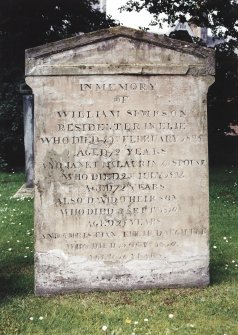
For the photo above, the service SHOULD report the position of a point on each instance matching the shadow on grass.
(220, 275)
(16, 278)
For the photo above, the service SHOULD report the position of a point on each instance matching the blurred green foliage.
(221, 16)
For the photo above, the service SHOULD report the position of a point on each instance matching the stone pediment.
(119, 50)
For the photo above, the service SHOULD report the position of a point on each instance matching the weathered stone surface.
(28, 117)
(117, 51)
(121, 163)
(28, 111)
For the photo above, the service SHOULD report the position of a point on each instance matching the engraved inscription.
(122, 164)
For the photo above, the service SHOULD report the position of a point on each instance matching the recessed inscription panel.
(121, 181)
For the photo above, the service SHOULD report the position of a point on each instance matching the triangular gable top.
(119, 46)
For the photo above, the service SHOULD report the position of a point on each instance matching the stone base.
(24, 192)
(58, 273)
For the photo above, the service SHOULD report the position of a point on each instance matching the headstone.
(121, 162)
(28, 118)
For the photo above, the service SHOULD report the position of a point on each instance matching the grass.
(204, 311)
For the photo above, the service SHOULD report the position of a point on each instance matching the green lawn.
(208, 311)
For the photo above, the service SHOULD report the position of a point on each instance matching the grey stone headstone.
(121, 162)
(28, 117)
